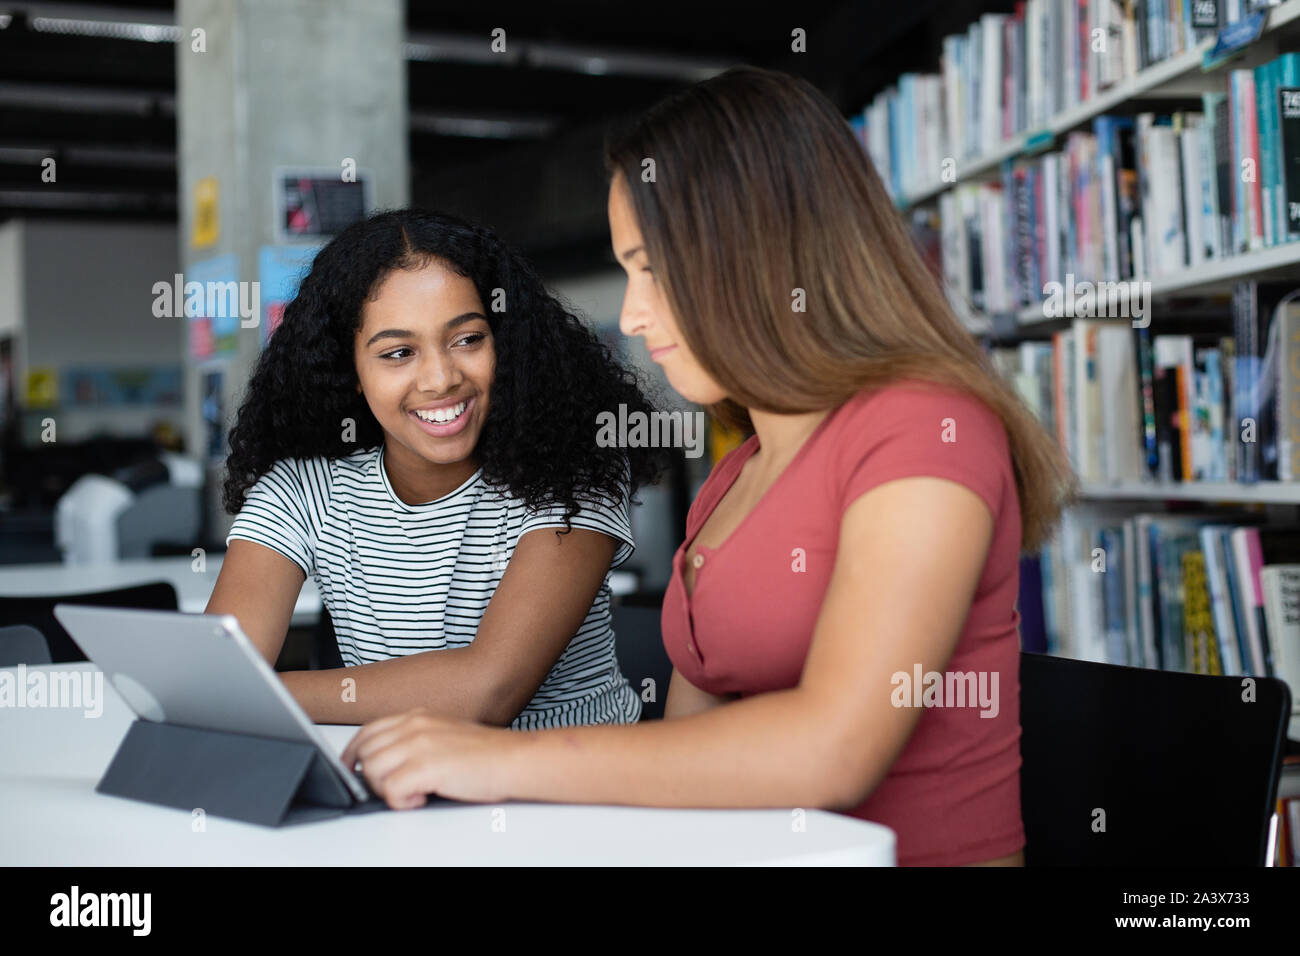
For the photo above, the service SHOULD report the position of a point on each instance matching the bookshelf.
(1196, 527)
(1232, 492)
(1167, 78)
(1216, 276)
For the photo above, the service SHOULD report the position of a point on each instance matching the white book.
(1209, 192)
(1035, 116)
(1129, 42)
(974, 88)
(952, 90)
(994, 257)
(956, 254)
(1121, 431)
(1051, 218)
(1109, 216)
(1281, 586)
(991, 82)
(1286, 322)
(1138, 243)
(1069, 54)
(1088, 424)
(934, 147)
(1190, 146)
(1112, 60)
(1164, 218)
(1085, 638)
(1071, 393)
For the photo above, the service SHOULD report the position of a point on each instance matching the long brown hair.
(759, 192)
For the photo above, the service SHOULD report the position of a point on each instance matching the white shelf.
(1144, 83)
(1274, 492)
(1201, 278)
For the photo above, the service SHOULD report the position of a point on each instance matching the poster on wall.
(213, 309)
(279, 271)
(122, 385)
(207, 218)
(42, 387)
(319, 202)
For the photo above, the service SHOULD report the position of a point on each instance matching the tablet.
(195, 670)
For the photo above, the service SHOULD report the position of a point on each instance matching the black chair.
(325, 643)
(22, 644)
(640, 650)
(1184, 771)
(38, 612)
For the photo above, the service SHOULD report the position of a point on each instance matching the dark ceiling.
(105, 107)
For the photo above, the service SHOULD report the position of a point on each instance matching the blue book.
(1239, 612)
(1051, 627)
(1112, 543)
(1173, 638)
(1117, 214)
(1033, 624)
(1266, 118)
(1288, 148)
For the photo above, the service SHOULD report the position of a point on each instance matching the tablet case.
(253, 779)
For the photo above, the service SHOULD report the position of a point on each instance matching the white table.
(193, 588)
(51, 759)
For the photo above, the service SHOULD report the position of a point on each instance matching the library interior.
(202, 526)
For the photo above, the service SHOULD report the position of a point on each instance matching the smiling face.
(425, 363)
(645, 311)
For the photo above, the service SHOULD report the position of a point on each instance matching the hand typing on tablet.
(408, 756)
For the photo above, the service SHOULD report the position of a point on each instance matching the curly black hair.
(553, 375)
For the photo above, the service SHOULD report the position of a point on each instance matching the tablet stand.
(254, 779)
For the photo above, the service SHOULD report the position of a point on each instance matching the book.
(1199, 630)
(1288, 146)
(1220, 599)
(1281, 586)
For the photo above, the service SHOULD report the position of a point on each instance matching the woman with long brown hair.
(842, 614)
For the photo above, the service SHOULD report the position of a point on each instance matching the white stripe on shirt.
(400, 579)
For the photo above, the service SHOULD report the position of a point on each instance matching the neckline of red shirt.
(752, 444)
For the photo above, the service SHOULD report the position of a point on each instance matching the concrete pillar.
(263, 84)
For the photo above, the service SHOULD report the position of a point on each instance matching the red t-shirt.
(953, 794)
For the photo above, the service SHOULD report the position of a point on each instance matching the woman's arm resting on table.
(543, 598)
(910, 557)
(684, 698)
(260, 587)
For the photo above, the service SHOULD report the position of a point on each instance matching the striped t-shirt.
(398, 579)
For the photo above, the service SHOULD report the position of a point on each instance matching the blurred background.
(227, 140)
(146, 145)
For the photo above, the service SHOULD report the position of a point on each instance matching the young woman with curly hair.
(419, 435)
(865, 538)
